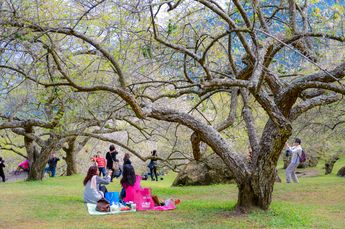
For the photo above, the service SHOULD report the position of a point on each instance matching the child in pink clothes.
(23, 166)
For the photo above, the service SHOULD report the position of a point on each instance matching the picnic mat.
(91, 208)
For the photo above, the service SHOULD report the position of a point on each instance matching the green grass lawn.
(317, 202)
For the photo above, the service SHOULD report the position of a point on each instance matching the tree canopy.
(149, 63)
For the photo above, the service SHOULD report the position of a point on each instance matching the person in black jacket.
(111, 158)
(2, 166)
(153, 165)
(52, 162)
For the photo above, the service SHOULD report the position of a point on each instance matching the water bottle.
(134, 207)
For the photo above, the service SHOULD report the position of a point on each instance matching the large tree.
(154, 53)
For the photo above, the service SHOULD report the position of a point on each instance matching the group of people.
(22, 166)
(51, 168)
(95, 184)
(110, 163)
(109, 168)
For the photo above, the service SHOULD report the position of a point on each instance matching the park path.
(12, 178)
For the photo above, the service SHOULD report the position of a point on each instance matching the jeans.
(290, 172)
(52, 171)
(102, 171)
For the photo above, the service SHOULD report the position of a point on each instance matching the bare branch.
(250, 124)
(72, 32)
(13, 150)
(311, 103)
(232, 112)
(178, 48)
(232, 24)
(292, 11)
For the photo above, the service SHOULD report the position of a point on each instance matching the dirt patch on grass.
(308, 173)
(232, 214)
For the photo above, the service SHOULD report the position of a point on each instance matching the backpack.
(303, 157)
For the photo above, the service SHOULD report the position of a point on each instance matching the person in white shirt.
(296, 152)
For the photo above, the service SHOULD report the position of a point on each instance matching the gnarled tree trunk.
(255, 181)
(38, 159)
(256, 190)
(71, 162)
(70, 157)
(71, 154)
(37, 169)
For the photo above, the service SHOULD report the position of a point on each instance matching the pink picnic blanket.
(142, 197)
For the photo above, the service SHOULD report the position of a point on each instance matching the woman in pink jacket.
(132, 191)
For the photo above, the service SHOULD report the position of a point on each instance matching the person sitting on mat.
(94, 190)
(132, 191)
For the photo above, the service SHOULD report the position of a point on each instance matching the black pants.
(103, 189)
(2, 175)
(153, 170)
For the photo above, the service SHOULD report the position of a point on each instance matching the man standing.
(296, 152)
(52, 162)
(111, 159)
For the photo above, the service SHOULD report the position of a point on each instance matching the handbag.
(103, 205)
